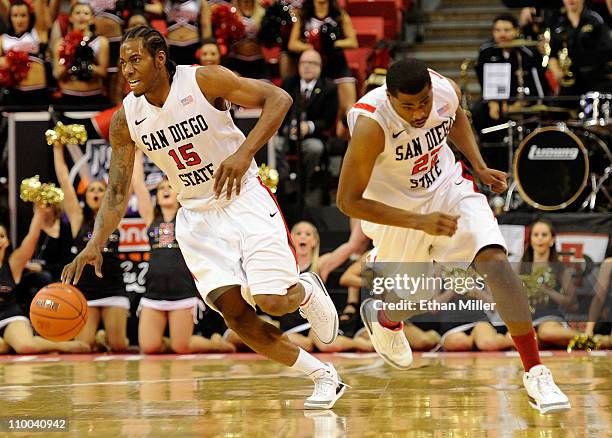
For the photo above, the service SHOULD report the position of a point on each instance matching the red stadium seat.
(389, 10)
(357, 60)
(369, 30)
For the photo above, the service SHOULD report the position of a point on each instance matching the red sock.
(386, 322)
(527, 346)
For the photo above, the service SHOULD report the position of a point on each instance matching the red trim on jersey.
(365, 106)
(435, 73)
(289, 239)
(193, 276)
(465, 172)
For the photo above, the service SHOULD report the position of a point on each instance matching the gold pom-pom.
(66, 134)
(269, 177)
(29, 189)
(50, 194)
(32, 190)
(583, 342)
(534, 283)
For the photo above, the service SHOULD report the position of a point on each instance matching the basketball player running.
(400, 178)
(179, 116)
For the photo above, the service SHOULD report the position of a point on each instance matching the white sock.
(308, 290)
(308, 364)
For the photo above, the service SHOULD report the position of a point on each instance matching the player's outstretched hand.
(496, 179)
(440, 224)
(232, 169)
(90, 255)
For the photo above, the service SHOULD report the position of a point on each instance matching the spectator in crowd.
(27, 32)
(106, 295)
(527, 77)
(15, 329)
(80, 79)
(245, 56)
(311, 117)
(549, 317)
(600, 310)
(51, 254)
(210, 54)
(171, 297)
(581, 48)
(324, 26)
(188, 22)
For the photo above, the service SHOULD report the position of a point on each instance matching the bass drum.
(552, 166)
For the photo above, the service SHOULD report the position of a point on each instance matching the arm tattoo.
(120, 174)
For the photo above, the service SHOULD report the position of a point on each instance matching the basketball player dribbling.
(399, 176)
(229, 227)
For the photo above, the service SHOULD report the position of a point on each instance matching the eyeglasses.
(313, 63)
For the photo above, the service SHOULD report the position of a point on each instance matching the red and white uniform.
(417, 171)
(243, 241)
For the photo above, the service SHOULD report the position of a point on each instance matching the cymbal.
(537, 109)
(517, 43)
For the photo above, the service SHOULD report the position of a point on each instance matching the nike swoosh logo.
(458, 183)
(273, 214)
(139, 122)
(397, 133)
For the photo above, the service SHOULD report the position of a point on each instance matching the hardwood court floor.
(444, 395)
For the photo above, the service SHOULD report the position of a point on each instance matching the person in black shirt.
(106, 295)
(527, 74)
(581, 48)
(15, 329)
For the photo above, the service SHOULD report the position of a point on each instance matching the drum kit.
(560, 163)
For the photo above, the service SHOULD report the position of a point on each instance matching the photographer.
(80, 60)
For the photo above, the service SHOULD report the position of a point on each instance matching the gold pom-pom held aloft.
(28, 191)
(66, 134)
(32, 190)
(269, 177)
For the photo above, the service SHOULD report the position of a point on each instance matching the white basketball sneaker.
(544, 394)
(392, 345)
(329, 387)
(320, 310)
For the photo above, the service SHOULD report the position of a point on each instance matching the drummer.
(524, 61)
(589, 49)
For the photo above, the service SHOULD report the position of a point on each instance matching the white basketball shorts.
(245, 243)
(476, 228)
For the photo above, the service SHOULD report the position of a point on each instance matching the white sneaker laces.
(546, 385)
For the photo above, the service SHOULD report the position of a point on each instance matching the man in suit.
(314, 109)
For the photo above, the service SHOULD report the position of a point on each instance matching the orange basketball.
(58, 312)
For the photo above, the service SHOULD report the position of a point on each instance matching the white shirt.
(187, 139)
(414, 161)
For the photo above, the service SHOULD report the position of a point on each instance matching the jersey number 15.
(187, 158)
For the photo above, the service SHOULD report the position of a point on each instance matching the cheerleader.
(171, 297)
(15, 329)
(188, 22)
(314, 15)
(549, 318)
(85, 84)
(27, 32)
(600, 311)
(106, 296)
(246, 56)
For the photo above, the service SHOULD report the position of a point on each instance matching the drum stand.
(597, 185)
(509, 125)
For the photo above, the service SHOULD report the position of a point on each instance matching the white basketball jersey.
(415, 160)
(187, 139)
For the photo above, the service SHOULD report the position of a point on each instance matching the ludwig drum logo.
(540, 153)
